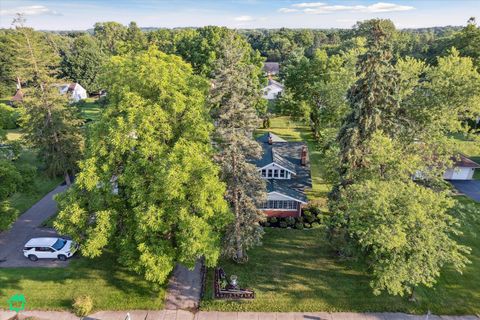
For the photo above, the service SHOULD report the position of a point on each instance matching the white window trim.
(260, 169)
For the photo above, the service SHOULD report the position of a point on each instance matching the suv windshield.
(59, 244)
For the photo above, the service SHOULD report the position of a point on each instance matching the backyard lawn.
(110, 286)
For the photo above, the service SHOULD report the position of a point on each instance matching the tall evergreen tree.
(49, 124)
(233, 95)
(372, 99)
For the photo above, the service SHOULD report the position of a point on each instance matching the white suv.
(49, 248)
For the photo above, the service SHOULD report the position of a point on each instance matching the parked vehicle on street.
(49, 248)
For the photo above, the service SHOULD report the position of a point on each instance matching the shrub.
(283, 224)
(307, 225)
(272, 220)
(266, 224)
(290, 221)
(82, 305)
(299, 219)
(299, 226)
(8, 215)
(314, 210)
(315, 225)
(8, 117)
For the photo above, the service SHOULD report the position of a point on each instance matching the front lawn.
(110, 286)
(295, 271)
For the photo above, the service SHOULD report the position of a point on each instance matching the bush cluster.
(8, 117)
(311, 217)
(82, 305)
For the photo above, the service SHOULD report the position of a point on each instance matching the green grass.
(295, 131)
(91, 109)
(295, 271)
(110, 286)
(14, 134)
(42, 185)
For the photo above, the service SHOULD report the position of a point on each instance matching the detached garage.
(463, 169)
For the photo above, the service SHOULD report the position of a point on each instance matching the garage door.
(461, 174)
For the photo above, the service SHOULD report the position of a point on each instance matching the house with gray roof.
(286, 167)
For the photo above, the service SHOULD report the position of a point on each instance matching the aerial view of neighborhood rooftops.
(247, 159)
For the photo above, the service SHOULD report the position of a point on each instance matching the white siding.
(459, 173)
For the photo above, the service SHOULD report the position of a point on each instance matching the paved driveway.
(26, 227)
(471, 188)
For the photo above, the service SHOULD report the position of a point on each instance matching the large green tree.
(232, 97)
(396, 131)
(148, 186)
(83, 61)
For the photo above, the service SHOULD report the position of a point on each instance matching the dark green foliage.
(82, 63)
(8, 117)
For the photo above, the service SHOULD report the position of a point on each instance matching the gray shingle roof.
(271, 67)
(288, 155)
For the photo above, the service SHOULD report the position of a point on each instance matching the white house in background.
(272, 90)
(463, 169)
(76, 91)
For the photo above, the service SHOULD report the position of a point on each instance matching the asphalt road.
(25, 228)
(471, 188)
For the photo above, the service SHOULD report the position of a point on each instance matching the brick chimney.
(270, 140)
(303, 155)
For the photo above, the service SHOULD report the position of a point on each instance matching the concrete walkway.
(27, 227)
(184, 288)
(186, 315)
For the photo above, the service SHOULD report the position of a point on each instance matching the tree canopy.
(148, 186)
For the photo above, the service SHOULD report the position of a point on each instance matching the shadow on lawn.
(82, 276)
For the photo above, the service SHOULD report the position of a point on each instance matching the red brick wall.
(282, 213)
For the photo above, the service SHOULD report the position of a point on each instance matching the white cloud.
(309, 4)
(388, 7)
(287, 10)
(322, 8)
(29, 11)
(244, 18)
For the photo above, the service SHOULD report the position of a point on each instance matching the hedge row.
(311, 217)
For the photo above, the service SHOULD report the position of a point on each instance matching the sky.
(82, 14)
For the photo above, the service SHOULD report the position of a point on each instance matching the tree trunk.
(236, 206)
(67, 178)
(412, 295)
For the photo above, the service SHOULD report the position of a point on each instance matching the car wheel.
(32, 257)
(62, 257)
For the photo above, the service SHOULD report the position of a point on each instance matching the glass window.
(270, 204)
(269, 173)
(59, 244)
(264, 173)
(275, 173)
(282, 173)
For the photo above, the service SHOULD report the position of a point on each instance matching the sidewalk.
(186, 315)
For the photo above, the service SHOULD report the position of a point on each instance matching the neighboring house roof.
(271, 67)
(18, 95)
(272, 82)
(264, 138)
(287, 155)
(463, 161)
